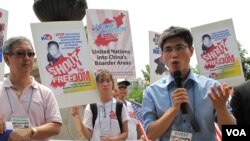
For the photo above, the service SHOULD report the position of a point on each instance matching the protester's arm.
(219, 100)
(236, 105)
(156, 128)
(77, 120)
(47, 130)
(53, 123)
(44, 131)
(14, 136)
(2, 125)
(84, 130)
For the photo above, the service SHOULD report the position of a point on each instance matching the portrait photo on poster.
(54, 53)
(207, 43)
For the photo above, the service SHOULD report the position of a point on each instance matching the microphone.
(185, 108)
(179, 79)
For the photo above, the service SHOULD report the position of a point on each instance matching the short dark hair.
(52, 43)
(174, 32)
(206, 35)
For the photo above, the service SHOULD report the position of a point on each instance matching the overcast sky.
(145, 15)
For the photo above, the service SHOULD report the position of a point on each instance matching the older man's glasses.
(21, 54)
(179, 48)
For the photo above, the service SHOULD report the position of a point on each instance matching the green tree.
(245, 61)
(146, 75)
(195, 69)
(136, 94)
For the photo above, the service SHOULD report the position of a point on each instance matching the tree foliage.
(136, 94)
(245, 61)
(195, 69)
(146, 75)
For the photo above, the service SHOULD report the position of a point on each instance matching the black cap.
(124, 83)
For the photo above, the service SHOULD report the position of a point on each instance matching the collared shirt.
(157, 100)
(106, 123)
(43, 105)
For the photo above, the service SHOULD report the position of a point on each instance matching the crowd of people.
(172, 109)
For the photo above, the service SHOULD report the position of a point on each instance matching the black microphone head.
(178, 78)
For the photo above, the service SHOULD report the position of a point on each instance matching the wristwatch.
(33, 131)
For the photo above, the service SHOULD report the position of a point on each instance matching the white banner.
(110, 41)
(217, 52)
(157, 66)
(3, 34)
(64, 61)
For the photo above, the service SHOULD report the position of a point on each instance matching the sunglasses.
(122, 87)
(20, 54)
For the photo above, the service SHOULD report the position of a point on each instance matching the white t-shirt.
(132, 122)
(106, 123)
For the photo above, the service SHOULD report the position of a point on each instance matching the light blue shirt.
(157, 100)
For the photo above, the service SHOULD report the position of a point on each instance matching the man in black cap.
(122, 90)
(135, 132)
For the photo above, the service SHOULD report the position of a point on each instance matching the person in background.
(106, 125)
(23, 100)
(205, 99)
(135, 130)
(240, 103)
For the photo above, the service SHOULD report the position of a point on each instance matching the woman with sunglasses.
(106, 126)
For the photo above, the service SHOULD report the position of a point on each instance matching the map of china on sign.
(108, 30)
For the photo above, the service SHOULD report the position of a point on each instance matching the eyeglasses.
(21, 54)
(179, 48)
(122, 87)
